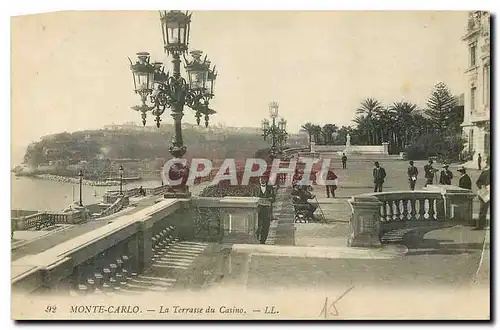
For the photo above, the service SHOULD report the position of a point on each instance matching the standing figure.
(266, 193)
(330, 188)
(483, 183)
(429, 173)
(378, 177)
(479, 159)
(446, 175)
(464, 181)
(344, 161)
(412, 175)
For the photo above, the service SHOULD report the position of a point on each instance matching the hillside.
(141, 143)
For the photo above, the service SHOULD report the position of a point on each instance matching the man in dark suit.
(378, 177)
(446, 175)
(483, 182)
(412, 175)
(464, 181)
(344, 161)
(429, 173)
(266, 192)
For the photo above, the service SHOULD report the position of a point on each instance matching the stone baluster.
(397, 210)
(125, 267)
(383, 212)
(404, 213)
(106, 286)
(99, 280)
(83, 289)
(413, 212)
(421, 209)
(432, 211)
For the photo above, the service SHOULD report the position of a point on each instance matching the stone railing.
(112, 195)
(382, 149)
(118, 205)
(46, 219)
(375, 214)
(108, 258)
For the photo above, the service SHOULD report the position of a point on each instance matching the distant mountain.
(145, 143)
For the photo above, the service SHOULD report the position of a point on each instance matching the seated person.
(301, 195)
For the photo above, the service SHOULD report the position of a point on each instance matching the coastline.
(58, 178)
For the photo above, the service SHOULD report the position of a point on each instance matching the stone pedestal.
(365, 222)
(457, 202)
(178, 192)
(386, 147)
(240, 219)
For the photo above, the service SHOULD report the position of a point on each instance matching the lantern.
(197, 71)
(282, 124)
(143, 74)
(175, 30)
(273, 109)
(265, 125)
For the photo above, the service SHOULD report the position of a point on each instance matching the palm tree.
(308, 127)
(316, 132)
(327, 131)
(370, 108)
(404, 118)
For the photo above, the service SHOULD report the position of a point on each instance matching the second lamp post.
(277, 131)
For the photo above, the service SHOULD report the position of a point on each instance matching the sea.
(39, 194)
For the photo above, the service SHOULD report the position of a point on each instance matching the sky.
(69, 70)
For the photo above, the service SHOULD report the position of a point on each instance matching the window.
(473, 54)
(486, 85)
(473, 98)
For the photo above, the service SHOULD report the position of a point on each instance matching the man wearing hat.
(429, 173)
(446, 175)
(265, 209)
(464, 181)
(483, 182)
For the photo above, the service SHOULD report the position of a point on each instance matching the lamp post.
(277, 132)
(80, 174)
(172, 91)
(120, 169)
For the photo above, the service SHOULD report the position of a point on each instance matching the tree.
(404, 123)
(328, 130)
(369, 109)
(441, 108)
(316, 132)
(308, 127)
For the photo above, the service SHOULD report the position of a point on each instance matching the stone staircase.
(171, 260)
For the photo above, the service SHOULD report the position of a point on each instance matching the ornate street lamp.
(276, 131)
(80, 174)
(120, 169)
(172, 91)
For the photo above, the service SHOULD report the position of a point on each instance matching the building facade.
(476, 125)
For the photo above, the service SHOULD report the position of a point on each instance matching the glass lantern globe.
(143, 74)
(197, 71)
(175, 30)
(273, 109)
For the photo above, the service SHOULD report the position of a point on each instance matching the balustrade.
(108, 259)
(374, 214)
